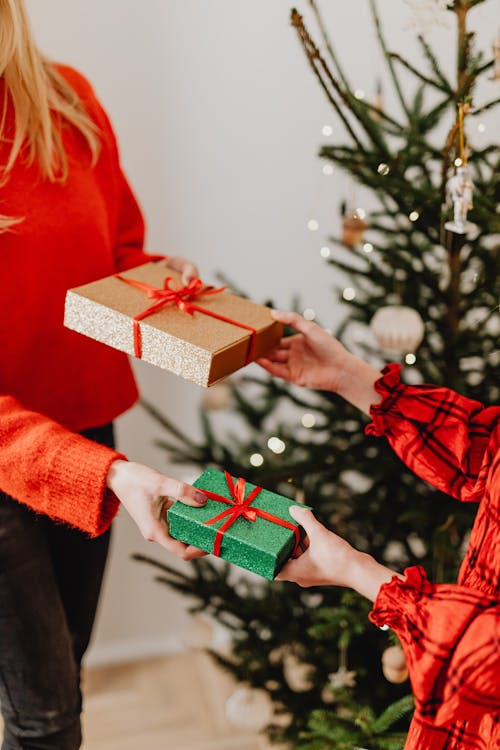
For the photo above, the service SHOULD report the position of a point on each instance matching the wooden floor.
(168, 703)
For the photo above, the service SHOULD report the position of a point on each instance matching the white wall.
(219, 120)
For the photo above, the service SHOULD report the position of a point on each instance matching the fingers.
(306, 519)
(182, 491)
(294, 320)
(192, 553)
(277, 369)
(188, 269)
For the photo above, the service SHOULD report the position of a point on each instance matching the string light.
(276, 445)
(327, 130)
(309, 313)
(360, 213)
(313, 225)
(359, 94)
(410, 359)
(327, 169)
(383, 169)
(413, 216)
(325, 252)
(481, 127)
(256, 459)
(368, 247)
(458, 162)
(349, 293)
(308, 420)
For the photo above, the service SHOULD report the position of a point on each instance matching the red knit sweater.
(53, 381)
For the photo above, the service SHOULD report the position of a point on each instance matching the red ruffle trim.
(390, 388)
(389, 606)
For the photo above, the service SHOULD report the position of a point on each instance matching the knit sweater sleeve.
(53, 470)
(439, 435)
(450, 636)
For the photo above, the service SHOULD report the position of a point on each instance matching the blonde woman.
(67, 216)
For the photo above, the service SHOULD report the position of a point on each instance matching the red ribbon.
(240, 507)
(181, 296)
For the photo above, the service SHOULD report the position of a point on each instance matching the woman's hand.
(331, 561)
(185, 267)
(313, 358)
(145, 494)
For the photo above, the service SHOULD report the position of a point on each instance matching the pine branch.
(320, 68)
(383, 45)
(398, 58)
(435, 65)
(485, 107)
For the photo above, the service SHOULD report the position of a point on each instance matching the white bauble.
(398, 328)
(250, 709)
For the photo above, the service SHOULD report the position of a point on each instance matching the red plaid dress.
(450, 633)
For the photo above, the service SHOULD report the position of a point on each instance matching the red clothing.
(450, 633)
(54, 381)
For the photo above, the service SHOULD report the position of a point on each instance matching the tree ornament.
(394, 664)
(297, 673)
(217, 397)
(342, 678)
(397, 328)
(353, 229)
(459, 190)
(250, 709)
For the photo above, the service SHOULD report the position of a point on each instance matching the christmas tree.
(335, 680)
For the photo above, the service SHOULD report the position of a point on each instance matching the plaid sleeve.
(450, 635)
(439, 435)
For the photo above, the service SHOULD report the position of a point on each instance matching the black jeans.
(50, 578)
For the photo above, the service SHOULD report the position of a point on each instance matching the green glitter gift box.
(247, 525)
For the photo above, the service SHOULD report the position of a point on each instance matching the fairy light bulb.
(276, 445)
(325, 252)
(359, 94)
(410, 359)
(413, 216)
(327, 130)
(256, 459)
(383, 169)
(313, 225)
(349, 293)
(481, 127)
(327, 169)
(308, 420)
(368, 247)
(309, 313)
(458, 162)
(360, 213)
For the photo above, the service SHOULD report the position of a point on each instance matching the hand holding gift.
(145, 494)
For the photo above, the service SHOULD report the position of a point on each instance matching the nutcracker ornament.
(459, 189)
(459, 186)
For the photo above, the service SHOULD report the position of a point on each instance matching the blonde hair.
(41, 98)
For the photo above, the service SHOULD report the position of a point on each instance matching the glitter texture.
(196, 347)
(261, 546)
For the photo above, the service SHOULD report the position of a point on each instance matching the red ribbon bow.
(240, 507)
(180, 296)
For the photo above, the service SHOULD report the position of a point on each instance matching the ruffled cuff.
(398, 599)
(390, 388)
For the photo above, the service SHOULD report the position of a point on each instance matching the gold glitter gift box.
(181, 335)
